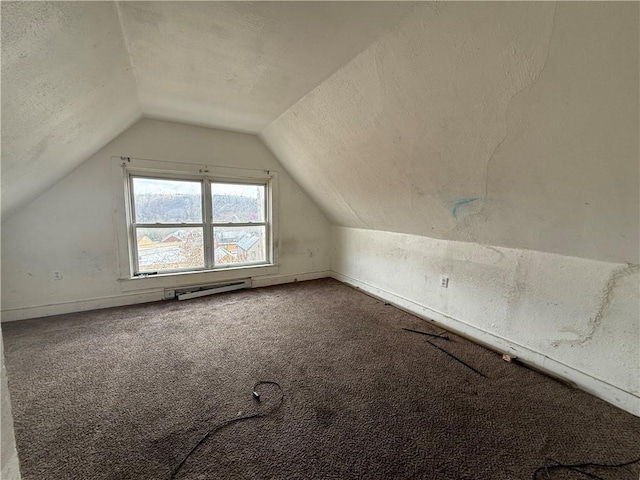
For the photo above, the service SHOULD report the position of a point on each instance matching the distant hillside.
(180, 208)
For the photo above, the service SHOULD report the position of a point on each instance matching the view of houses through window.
(173, 226)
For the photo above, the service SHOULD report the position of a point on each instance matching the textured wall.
(73, 228)
(512, 124)
(574, 317)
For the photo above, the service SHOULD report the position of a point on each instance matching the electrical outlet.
(444, 282)
(57, 275)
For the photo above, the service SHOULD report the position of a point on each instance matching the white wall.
(9, 466)
(73, 227)
(509, 131)
(573, 317)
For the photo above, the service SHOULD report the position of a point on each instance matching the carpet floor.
(125, 393)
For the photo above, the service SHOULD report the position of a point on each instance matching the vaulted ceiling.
(76, 74)
(502, 123)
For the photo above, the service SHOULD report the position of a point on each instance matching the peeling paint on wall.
(595, 322)
(522, 297)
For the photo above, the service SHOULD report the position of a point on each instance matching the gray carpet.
(124, 393)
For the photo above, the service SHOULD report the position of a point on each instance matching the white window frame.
(206, 174)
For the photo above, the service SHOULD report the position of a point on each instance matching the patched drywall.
(574, 317)
(67, 90)
(73, 228)
(9, 465)
(502, 123)
(238, 65)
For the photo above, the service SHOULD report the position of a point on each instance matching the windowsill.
(183, 279)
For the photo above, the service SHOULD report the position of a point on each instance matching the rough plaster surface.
(67, 90)
(73, 228)
(238, 65)
(76, 74)
(579, 312)
(512, 124)
(9, 466)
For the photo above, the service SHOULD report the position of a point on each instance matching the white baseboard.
(599, 388)
(150, 295)
(23, 313)
(268, 280)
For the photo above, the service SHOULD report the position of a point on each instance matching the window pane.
(169, 248)
(167, 201)
(237, 245)
(237, 202)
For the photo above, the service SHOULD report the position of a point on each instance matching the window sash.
(168, 253)
(208, 225)
(266, 240)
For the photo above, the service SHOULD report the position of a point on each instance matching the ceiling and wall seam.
(389, 31)
(127, 46)
(124, 129)
(262, 134)
(238, 65)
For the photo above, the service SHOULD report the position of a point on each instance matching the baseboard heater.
(201, 290)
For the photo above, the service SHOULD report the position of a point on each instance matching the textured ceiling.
(239, 65)
(76, 74)
(67, 90)
(502, 123)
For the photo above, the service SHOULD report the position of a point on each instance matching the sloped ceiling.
(76, 74)
(238, 65)
(67, 90)
(503, 123)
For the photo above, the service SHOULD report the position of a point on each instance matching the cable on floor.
(220, 426)
(456, 358)
(578, 466)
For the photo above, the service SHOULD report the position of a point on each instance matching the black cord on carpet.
(444, 337)
(576, 468)
(456, 358)
(220, 426)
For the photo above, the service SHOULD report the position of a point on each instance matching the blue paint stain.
(461, 203)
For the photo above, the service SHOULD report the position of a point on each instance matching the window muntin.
(197, 224)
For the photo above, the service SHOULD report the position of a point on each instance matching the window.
(193, 224)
